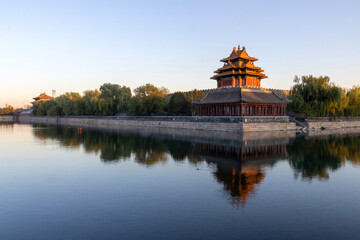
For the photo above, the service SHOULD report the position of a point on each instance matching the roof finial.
(234, 49)
(239, 47)
(243, 48)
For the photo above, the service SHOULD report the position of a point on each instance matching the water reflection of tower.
(240, 167)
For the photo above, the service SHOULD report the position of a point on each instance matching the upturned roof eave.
(238, 57)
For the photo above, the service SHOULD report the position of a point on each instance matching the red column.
(273, 110)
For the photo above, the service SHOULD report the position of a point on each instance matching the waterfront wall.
(338, 131)
(334, 124)
(6, 118)
(239, 125)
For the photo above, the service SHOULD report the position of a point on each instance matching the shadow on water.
(240, 165)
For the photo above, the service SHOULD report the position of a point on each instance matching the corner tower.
(239, 70)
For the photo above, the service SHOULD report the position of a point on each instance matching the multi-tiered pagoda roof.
(239, 70)
(238, 91)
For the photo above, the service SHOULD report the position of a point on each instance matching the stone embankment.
(329, 125)
(229, 124)
(6, 118)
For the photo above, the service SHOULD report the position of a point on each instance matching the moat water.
(70, 183)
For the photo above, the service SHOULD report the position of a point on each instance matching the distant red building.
(239, 91)
(23, 112)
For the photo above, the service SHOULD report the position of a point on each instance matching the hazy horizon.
(79, 45)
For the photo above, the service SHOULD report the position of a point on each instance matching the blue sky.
(79, 45)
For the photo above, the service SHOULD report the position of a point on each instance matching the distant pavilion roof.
(42, 96)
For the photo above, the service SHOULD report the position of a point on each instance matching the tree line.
(9, 110)
(112, 99)
(318, 97)
(311, 97)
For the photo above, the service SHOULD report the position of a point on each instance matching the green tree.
(38, 109)
(51, 108)
(192, 96)
(136, 106)
(353, 107)
(67, 103)
(195, 95)
(178, 104)
(149, 99)
(91, 101)
(316, 96)
(7, 110)
(114, 98)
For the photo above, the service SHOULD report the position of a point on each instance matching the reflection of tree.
(315, 157)
(179, 150)
(111, 145)
(6, 125)
(194, 159)
(239, 165)
(353, 149)
(66, 137)
(150, 151)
